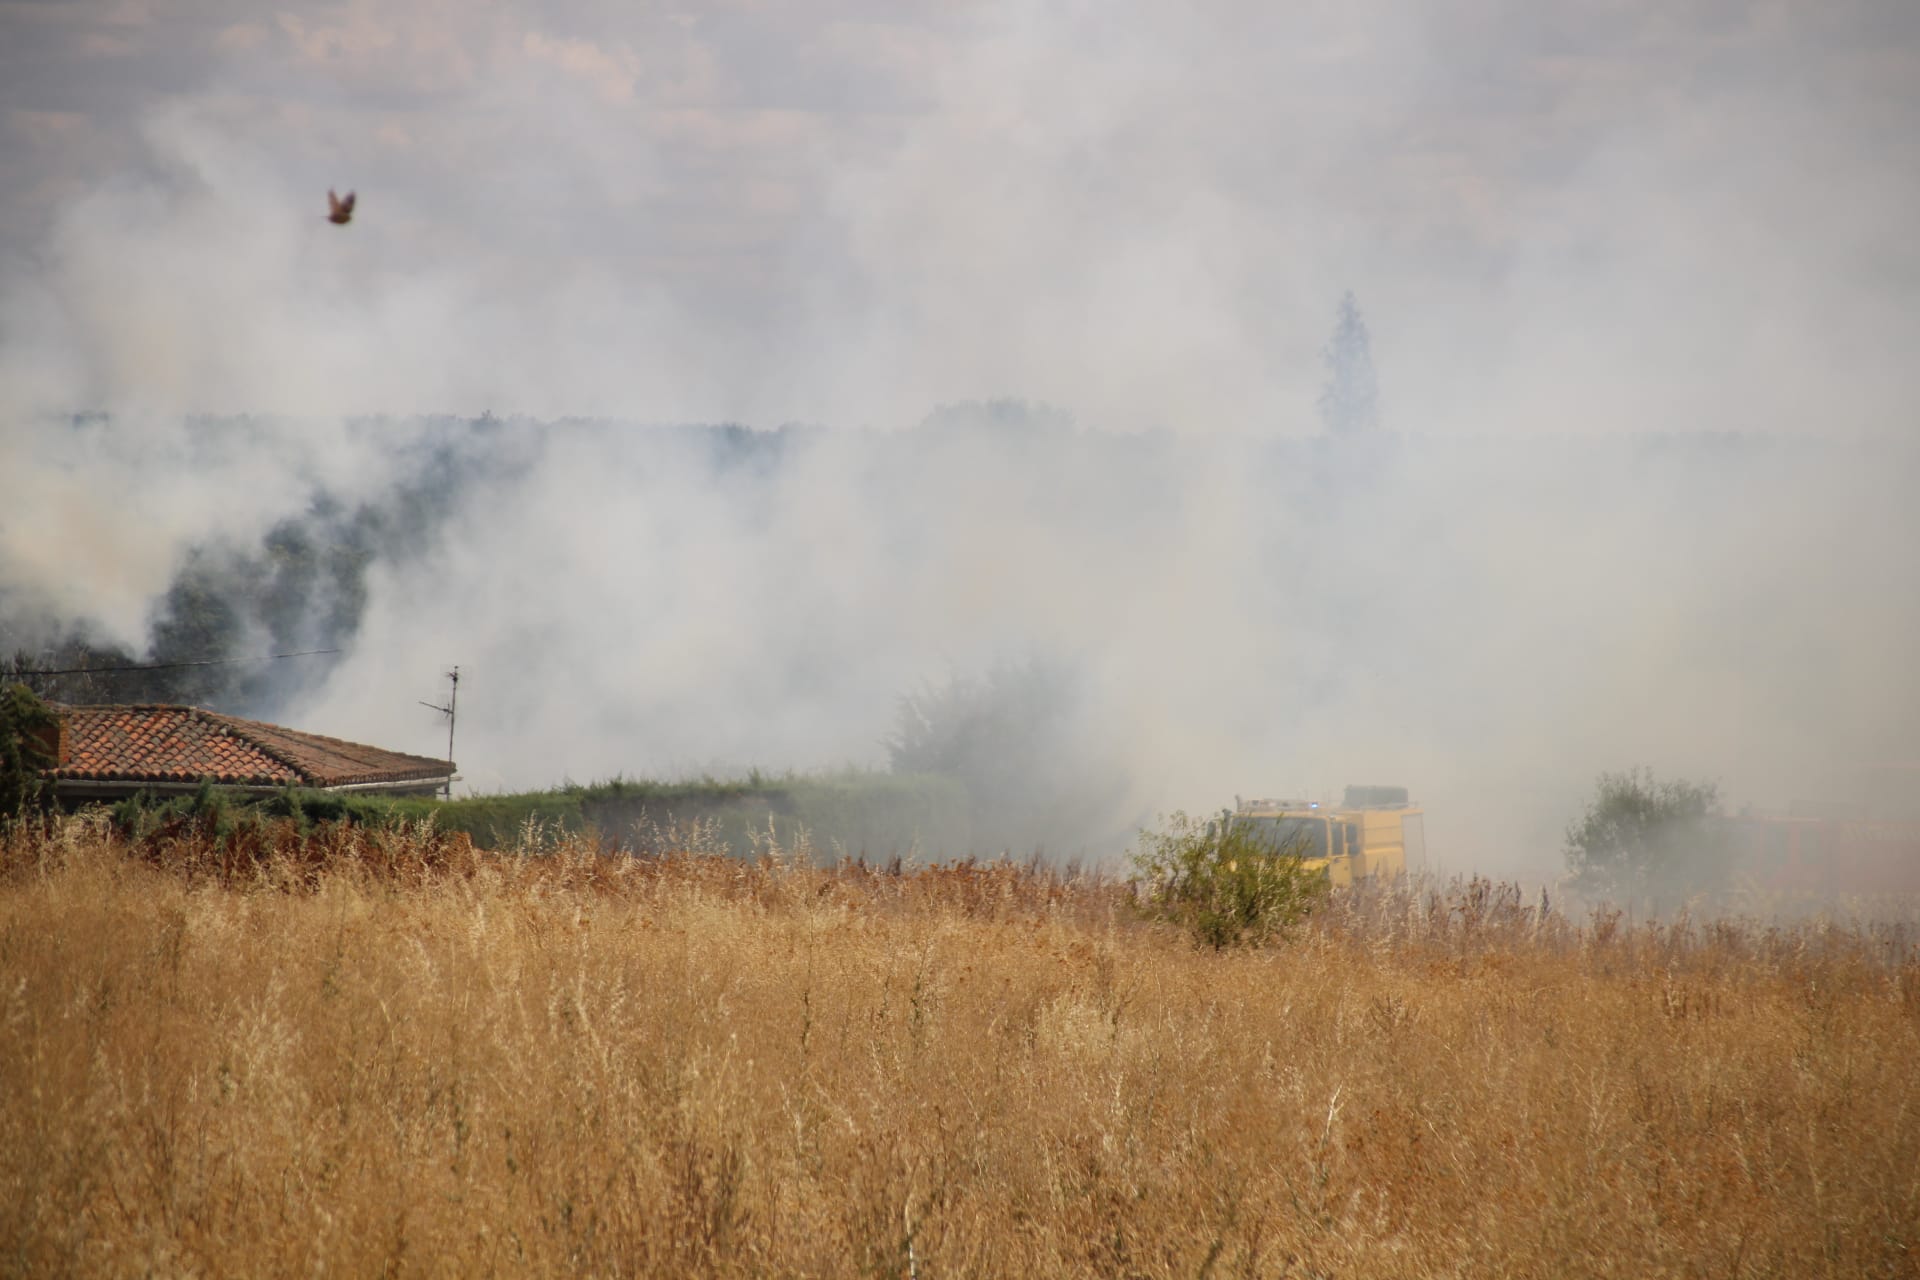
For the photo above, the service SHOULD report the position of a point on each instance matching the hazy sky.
(1567, 224)
(1564, 217)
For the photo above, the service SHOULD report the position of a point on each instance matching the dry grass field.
(365, 1054)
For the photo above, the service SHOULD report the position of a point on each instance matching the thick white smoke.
(1568, 239)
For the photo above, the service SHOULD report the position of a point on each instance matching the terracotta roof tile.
(186, 744)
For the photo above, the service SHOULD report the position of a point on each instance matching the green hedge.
(874, 815)
(860, 814)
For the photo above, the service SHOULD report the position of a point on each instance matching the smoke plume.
(1640, 289)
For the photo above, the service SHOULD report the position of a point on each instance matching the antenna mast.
(453, 704)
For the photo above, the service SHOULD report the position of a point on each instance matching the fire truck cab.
(1376, 832)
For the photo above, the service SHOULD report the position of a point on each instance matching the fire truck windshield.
(1306, 837)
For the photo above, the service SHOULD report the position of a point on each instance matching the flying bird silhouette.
(339, 211)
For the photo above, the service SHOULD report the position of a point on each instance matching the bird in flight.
(339, 211)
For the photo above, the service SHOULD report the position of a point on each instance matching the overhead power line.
(168, 666)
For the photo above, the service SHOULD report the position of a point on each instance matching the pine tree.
(1350, 400)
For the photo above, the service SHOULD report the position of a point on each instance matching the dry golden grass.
(392, 1055)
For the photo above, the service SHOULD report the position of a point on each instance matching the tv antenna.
(453, 703)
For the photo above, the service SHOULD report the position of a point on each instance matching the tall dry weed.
(410, 1058)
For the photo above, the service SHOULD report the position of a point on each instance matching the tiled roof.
(186, 744)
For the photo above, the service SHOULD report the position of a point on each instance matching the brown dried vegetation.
(371, 1053)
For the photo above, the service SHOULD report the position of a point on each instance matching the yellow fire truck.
(1375, 831)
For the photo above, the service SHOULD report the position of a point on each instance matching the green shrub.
(1227, 885)
(26, 724)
